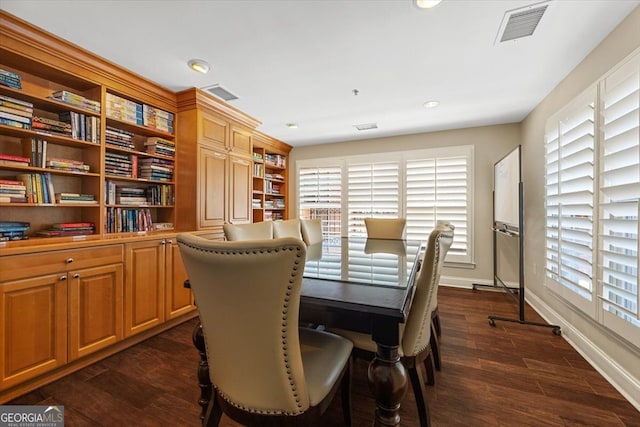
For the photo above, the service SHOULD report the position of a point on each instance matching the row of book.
(161, 146)
(276, 160)
(15, 112)
(272, 187)
(68, 229)
(258, 170)
(155, 169)
(120, 138)
(83, 127)
(10, 79)
(12, 191)
(140, 114)
(274, 204)
(130, 166)
(156, 195)
(275, 176)
(52, 126)
(13, 160)
(121, 220)
(120, 164)
(76, 100)
(256, 203)
(13, 230)
(273, 216)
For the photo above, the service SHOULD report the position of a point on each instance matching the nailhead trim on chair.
(285, 312)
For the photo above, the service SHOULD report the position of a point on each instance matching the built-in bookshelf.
(67, 138)
(139, 166)
(269, 197)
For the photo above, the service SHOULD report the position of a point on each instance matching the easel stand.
(516, 293)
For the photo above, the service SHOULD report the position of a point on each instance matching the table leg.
(203, 370)
(389, 383)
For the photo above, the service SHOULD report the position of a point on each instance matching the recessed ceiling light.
(427, 4)
(199, 65)
(292, 125)
(431, 104)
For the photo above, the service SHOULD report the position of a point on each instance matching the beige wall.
(491, 143)
(617, 46)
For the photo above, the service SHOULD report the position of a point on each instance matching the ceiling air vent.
(522, 22)
(220, 92)
(367, 126)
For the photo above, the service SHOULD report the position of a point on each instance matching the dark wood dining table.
(358, 284)
(365, 285)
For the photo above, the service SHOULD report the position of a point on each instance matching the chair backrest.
(441, 223)
(385, 228)
(256, 231)
(287, 228)
(417, 329)
(311, 230)
(248, 298)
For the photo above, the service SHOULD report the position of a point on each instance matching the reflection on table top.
(364, 261)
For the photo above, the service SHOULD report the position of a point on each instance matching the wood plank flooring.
(510, 375)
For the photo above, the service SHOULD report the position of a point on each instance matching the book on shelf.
(39, 187)
(10, 79)
(77, 198)
(15, 117)
(13, 123)
(14, 101)
(76, 100)
(13, 230)
(68, 165)
(20, 159)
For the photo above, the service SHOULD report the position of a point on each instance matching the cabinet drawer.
(30, 265)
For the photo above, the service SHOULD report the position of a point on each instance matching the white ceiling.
(298, 61)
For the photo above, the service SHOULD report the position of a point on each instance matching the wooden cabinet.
(179, 300)
(154, 290)
(33, 328)
(95, 309)
(218, 140)
(269, 182)
(58, 306)
(144, 285)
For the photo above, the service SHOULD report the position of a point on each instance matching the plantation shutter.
(320, 196)
(619, 195)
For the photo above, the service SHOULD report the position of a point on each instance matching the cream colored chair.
(311, 230)
(385, 228)
(287, 228)
(435, 315)
(265, 370)
(255, 231)
(415, 334)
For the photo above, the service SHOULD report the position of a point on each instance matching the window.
(592, 193)
(424, 186)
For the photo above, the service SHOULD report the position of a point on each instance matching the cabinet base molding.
(28, 386)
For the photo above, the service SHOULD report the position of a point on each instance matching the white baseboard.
(616, 375)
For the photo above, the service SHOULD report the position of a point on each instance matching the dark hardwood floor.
(510, 375)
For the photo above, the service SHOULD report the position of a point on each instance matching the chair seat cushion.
(324, 356)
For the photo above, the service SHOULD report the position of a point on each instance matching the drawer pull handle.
(69, 260)
(75, 276)
(62, 278)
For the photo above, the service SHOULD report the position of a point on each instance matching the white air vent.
(220, 92)
(522, 22)
(367, 126)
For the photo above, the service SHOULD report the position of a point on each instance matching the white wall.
(491, 144)
(616, 359)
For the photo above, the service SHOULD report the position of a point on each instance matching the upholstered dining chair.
(415, 344)
(287, 228)
(265, 370)
(385, 228)
(255, 231)
(311, 230)
(435, 315)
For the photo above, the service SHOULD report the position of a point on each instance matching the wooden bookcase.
(270, 166)
(46, 65)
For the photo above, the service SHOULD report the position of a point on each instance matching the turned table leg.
(387, 376)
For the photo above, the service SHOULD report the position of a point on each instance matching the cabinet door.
(213, 131)
(240, 189)
(240, 143)
(33, 327)
(179, 300)
(144, 286)
(212, 187)
(95, 309)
